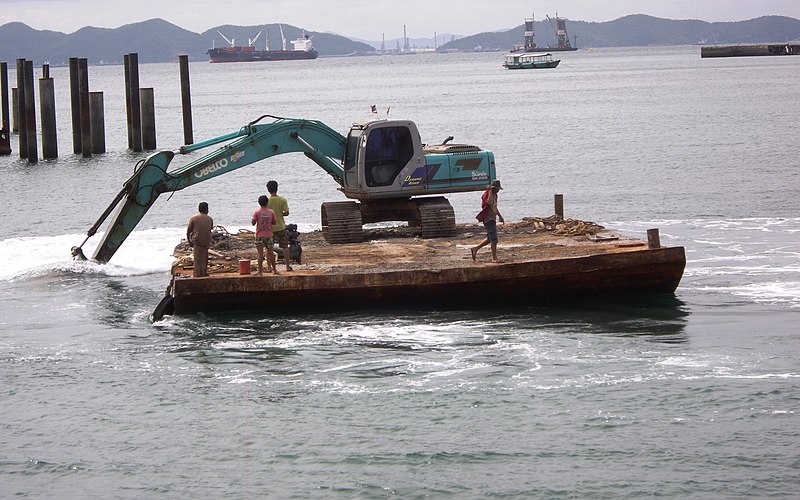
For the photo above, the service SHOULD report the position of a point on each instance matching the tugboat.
(559, 26)
(302, 48)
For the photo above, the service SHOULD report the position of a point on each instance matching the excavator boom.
(382, 164)
(249, 144)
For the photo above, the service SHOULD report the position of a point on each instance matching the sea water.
(691, 395)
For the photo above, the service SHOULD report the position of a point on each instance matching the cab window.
(351, 150)
(388, 150)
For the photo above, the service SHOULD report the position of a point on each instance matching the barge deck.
(543, 258)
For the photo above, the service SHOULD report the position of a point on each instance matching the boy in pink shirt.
(263, 219)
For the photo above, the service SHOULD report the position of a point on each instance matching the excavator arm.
(251, 143)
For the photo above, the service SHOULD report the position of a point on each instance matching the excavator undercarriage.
(342, 221)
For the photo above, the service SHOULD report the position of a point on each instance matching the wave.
(359, 355)
(756, 259)
(144, 252)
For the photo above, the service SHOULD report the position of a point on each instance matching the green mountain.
(639, 31)
(155, 40)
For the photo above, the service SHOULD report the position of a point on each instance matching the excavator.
(381, 164)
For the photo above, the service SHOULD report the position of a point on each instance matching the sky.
(372, 19)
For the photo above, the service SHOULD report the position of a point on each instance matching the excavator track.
(437, 218)
(341, 222)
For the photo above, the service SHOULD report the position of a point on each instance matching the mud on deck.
(399, 249)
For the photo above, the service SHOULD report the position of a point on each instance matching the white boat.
(529, 60)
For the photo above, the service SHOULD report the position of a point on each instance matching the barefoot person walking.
(491, 215)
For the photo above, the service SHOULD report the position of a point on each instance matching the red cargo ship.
(301, 49)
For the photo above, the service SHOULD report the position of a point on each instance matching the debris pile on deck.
(562, 227)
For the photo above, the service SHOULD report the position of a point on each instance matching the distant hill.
(155, 40)
(639, 31)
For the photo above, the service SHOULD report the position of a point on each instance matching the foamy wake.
(757, 259)
(146, 251)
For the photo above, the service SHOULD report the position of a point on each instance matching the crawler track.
(437, 218)
(341, 222)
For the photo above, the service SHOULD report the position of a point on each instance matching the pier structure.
(771, 49)
(87, 110)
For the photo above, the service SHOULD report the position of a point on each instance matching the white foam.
(744, 270)
(787, 293)
(144, 252)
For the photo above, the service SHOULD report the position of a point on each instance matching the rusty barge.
(393, 268)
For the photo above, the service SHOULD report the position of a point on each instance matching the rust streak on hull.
(610, 271)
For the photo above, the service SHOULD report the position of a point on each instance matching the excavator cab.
(377, 155)
(388, 151)
(386, 159)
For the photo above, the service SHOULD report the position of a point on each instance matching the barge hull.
(529, 282)
(779, 49)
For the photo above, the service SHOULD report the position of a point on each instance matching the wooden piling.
(15, 110)
(653, 239)
(128, 114)
(4, 96)
(20, 116)
(186, 100)
(558, 201)
(30, 114)
(147, 99)
(5, 127)
(83, 92)
(98, 120)
(5, 143)
(134, 105)
(75, 104)
(47, 98)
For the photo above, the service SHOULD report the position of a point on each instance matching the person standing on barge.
(264, 219)
(280, 206)
(198, 234)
